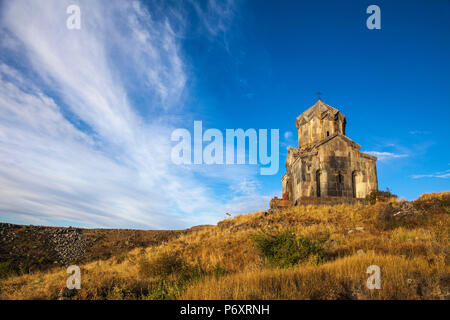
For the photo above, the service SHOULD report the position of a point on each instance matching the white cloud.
(247, 197)
(288, 135)
(216, 15)
(247, 204)
(74, 147)
(246, 186)
(382, 156)
(442, 175)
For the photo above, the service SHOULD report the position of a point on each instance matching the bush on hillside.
(6, 269)
(285, 249)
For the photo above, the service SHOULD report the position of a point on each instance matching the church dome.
(319, 122)
(320, 110)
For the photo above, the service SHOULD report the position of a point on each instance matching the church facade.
(327, 164)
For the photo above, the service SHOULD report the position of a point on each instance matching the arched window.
(318, 183)
(328, 133)
(339, 184)
(357, 186)
(289, 189)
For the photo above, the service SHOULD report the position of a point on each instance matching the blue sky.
(86, 115)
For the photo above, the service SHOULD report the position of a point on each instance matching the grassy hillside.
(305, 252)
(25, 249)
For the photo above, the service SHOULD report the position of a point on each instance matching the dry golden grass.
(222, 262)
(341, 279)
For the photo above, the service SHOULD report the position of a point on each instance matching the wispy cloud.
(75, 146)
(246, 186)
(246, 203)
(288, 135)
(289, 141)
(419, 132)
(215, 15)
(442, 175)
(382, 156)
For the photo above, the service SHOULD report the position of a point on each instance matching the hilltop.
(302, 252)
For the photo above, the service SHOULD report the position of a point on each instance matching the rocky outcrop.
(69, 243)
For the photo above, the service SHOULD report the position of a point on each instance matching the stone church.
(327, 165)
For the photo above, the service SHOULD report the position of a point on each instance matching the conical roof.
(319, 109)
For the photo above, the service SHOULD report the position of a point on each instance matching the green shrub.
(284, 249)
(182, 274)
(219, 271)
(6, 269)
(163, 290)
(115, 294)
